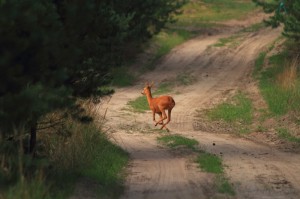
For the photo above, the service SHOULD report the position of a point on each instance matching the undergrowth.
(76, 151)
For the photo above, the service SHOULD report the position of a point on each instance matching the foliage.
(53, 52)
(285, 12)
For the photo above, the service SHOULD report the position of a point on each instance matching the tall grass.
(88, 153)
(62, 158)
(280, 86)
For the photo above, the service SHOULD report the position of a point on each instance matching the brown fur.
(158, 106)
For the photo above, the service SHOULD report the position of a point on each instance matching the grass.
(238, 110)
(141, 105)
(174, 141)
(122, 77)
(207, 162)
(213, 164)
(280, 86)
(210, 163)
(89, 153)
(77, 151)
(185, 79)
(199, 13)
(232, 41)
(259, 63)
(165, 41)
(286, 135)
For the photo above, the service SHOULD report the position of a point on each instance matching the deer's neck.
(149, 97)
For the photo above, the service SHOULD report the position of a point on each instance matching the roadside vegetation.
(207, 162)
(50, 69)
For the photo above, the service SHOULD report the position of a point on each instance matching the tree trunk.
(32, 142)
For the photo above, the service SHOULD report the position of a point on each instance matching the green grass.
(141, 105)
(91, 155)
(174, 141)
(286, 135)
(185, 79)
(83, 152)
(231, 41)
(210, 163)
(213, 164)
(121, 77)
(259, 63)
(197, 13)
(238, 110)
(206, 161)
(279, 100)
(224, 186)
(165, 41)
(255, 27)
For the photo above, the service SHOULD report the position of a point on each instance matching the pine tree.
(52, 52)
(286, 12)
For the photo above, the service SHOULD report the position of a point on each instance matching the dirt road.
(255, 170)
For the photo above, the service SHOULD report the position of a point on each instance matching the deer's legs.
(168, 120)
(160, 116)
(164, 116)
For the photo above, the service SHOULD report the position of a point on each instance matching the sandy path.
(256, 170)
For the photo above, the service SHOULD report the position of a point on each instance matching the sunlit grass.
(174, 141)
(238, 110)
(198, 12)
(280, 98)
(286, 135)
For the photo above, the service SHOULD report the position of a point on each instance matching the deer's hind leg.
(162, 118)
(168, 120)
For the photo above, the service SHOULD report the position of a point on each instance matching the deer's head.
(147, 88)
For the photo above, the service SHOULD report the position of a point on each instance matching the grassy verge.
(280, 86)
(287, 135)
(207, 162)
(77, 151)
(208, 12)
(165, 41)
(239, 109)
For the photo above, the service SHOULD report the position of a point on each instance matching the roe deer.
(159, 105)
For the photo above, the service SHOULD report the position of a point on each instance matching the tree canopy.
(52, 52)
(286, 12)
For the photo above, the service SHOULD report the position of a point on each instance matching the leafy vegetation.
(283, 12)
(53, 55)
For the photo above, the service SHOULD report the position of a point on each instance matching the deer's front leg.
(153, 114)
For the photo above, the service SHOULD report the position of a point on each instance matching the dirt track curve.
(256, 170)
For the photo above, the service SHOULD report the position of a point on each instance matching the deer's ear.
(152, 84)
